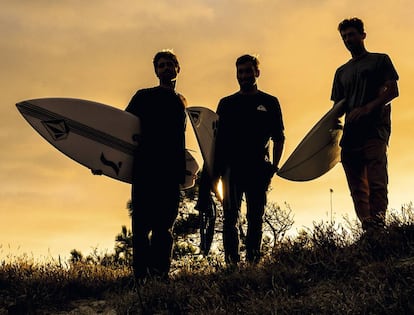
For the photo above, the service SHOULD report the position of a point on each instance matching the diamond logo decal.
(57, 129)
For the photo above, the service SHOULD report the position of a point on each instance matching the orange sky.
(102, 51)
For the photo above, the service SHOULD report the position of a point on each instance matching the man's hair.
(352, 22)
(167, 54)
(248, 58)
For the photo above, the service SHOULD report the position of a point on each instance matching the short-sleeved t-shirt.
(161, 149)
(359, 82)
(246, 123)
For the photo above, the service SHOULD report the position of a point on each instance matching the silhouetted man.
(248, 119)
(368, 82)
(159, 168)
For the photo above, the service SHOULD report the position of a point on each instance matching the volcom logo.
(115, 166)
(57, 129)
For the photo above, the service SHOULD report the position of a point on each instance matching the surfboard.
(98, 136)
(204, 122)
(319, 151)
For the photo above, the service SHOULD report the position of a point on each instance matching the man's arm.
(277, 153)
(386, 94)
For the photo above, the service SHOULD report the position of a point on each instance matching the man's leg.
(376, 156)
(256, 202)
(231, 208)
(207, 211)
(140, 234)
(165, 212)
(356, 176)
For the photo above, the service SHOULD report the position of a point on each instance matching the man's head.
(354, 22)
(353, 35)
(247, 67)
(166, 66)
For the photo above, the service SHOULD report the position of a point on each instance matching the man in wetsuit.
(159, 169)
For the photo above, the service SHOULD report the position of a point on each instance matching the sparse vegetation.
(327, 269)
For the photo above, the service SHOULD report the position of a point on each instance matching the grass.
(324, 270)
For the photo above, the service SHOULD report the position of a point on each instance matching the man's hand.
(358, 113)
(386, 93)
(271, 169)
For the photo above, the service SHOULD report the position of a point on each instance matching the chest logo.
(261, 108)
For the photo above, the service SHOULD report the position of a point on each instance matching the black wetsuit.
(159, 169)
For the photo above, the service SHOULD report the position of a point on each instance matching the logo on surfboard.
(58, 129)
(116, 167)
(195, 116)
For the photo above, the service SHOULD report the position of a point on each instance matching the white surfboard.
(98, 136)
(319, 150)
(204, 122)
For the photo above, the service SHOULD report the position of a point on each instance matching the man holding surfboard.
(247, 121)
(368, 83)
(160, 156)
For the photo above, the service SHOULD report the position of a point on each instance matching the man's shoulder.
(146, 91)
(230, 97)
(237, 95)
(157, 91)
(369, 56)
(343, 66)
(142, 94)
(268, 96)
(377, 55)
(378, 58)
(228, 100)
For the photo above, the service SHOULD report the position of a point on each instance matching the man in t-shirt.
(368, 82)
(159, 168)
(248, 119)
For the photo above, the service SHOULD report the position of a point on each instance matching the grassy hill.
(324, 270)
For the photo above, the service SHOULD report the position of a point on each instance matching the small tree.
(123, 246)
(277, 221)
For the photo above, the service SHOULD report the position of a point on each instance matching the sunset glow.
(102, 51)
